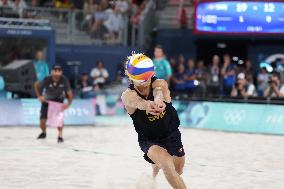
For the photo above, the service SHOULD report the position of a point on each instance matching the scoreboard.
(239, 17)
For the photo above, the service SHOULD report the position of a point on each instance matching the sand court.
(108, 157)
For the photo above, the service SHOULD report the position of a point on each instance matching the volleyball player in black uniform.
(156, 122)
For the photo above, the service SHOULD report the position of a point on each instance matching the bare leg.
(60, 131)
(165, 161)
(43, 125)
(179, 164)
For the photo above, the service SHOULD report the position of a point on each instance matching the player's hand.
(65, 106)
(41, 99)
(159, 105)
(151, 108)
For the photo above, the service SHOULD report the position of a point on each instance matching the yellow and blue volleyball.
(139, 68)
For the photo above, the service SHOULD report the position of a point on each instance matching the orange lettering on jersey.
(157, 117)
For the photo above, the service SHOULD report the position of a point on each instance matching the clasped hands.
(155, 107)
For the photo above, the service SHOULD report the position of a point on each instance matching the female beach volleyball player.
(148, 102)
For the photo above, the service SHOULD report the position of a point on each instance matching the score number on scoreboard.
(240, 17)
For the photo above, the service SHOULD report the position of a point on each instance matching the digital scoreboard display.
(239, 17)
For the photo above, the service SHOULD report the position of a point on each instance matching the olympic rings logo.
(234, 117)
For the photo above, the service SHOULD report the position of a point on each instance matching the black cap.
(56, 67)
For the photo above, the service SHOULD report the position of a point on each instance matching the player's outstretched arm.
(132, 102)
(161, 91)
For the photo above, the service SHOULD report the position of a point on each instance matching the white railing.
(67, 24)
(15, 23)
(140, 35)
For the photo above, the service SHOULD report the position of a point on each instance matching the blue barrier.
(10, 112)
(26, 112)
(238, 117)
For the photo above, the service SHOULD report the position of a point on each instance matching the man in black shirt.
(54, 87)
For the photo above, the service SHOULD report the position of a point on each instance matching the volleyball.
(139, 68)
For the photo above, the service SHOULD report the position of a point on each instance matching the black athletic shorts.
(44, 110)
(172, 144)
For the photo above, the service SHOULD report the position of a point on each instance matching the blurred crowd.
(101, 19)
(104, 20)
(222, 77)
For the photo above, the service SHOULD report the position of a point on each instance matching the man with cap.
(54, 87)
(243, 87)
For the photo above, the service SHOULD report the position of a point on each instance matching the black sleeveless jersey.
(151, 126)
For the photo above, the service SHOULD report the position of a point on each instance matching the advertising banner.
(10, 112)
(27, 112)
(237, 117)
(254, 118)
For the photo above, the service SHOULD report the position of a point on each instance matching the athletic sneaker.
(41, 136)
(60, 140)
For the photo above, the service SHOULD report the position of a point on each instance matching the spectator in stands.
(98, 30)
(104, 4)
(31, 14)
(120, 74)
(229, 75)
(88, 11)
(84, 83)
(174, 64)
(181, 59)
(248, 70)
(248, 67)
(214, 77)
(274, 88)
(162, 66)
(202, 77)
(114, 23)
(62, 4)
(191, 81)
(179, 79)
(182, 17)
(19, 6)
(100, 75)
(122, 6)
(41, 66)
(262, 81)
(135, 19)
(243, 88)
(6, 3)
(84, 86)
